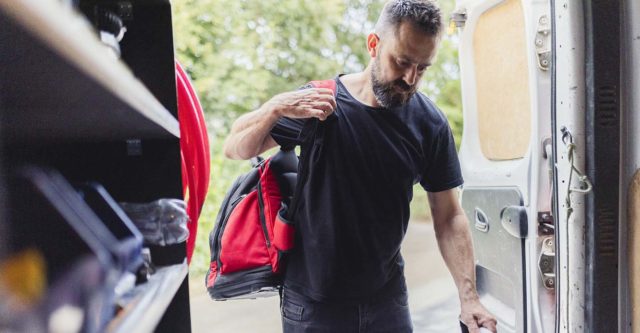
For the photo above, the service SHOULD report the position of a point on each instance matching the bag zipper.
(263, 220)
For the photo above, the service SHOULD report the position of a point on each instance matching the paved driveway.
(432, 295)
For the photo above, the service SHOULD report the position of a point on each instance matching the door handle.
(482, 222)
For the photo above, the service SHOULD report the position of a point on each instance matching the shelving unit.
(151, 301)
(68, 104)
(56, 62)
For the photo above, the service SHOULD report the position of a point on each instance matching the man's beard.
(390, 94)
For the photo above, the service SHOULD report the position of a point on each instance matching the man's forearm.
(250, 133)
(454, 241)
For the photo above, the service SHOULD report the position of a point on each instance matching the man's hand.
(474, 315)
(306, 103)
(250, 133)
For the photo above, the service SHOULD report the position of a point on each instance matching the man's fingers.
(324, 91)
(320, 114)
(321, 101)
(489, 324)
(470, 322)
(329, 99)
(325, 95)
(472, 326)
(324, 106)
(315, 102)
(311, 112)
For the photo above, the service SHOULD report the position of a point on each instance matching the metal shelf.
(59, 82)
(151, 300)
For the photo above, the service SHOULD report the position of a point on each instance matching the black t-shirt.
(354, 208)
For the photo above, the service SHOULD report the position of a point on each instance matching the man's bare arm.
(250, 134)
(454, 240)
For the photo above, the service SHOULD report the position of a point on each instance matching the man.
(380, 138)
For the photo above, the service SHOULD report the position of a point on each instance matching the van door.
(505, 55)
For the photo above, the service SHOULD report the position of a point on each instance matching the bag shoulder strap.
(329, 84)
(317, 134)
(316, 127)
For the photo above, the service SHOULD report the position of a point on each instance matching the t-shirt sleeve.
(287, 131)
(443, 167)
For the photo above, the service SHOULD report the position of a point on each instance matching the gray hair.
(424, 14)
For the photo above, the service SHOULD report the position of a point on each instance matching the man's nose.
(410, 75)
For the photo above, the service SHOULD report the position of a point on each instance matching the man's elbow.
(238, 148)
(231, 152)
(230, 155)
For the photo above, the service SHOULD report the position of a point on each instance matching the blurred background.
(239, 53)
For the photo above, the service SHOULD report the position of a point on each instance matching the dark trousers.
(387, 312)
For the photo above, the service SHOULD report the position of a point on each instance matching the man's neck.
(359, 86)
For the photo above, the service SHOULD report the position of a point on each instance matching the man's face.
(402, 58)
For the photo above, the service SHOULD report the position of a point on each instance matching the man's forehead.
(414, 51)
(412, 43)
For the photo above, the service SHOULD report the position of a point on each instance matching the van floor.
(432, 295)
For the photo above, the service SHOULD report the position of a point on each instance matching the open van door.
(505, 61)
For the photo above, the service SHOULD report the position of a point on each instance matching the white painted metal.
(570, 111)
(531, 173)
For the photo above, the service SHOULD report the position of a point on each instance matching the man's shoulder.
(428, 112)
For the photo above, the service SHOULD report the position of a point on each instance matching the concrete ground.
(432, 295)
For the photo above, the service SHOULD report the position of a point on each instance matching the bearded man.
(380, 137)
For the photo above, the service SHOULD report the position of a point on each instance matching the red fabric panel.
(243, 245)
(284, 233)
(211, 275)
(329, 84)
(271, 197)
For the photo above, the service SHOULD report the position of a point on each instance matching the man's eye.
(422, 68)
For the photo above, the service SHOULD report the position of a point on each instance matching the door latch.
(546, 224)
(546, 263)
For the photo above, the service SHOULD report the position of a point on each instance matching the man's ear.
(372, 44)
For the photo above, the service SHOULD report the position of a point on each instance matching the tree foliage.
(239, 53)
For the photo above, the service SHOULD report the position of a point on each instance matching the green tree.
(239, 53)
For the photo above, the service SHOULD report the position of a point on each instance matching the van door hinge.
(543, 43)
(546, 263)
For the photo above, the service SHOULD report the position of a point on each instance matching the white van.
(551, 160)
